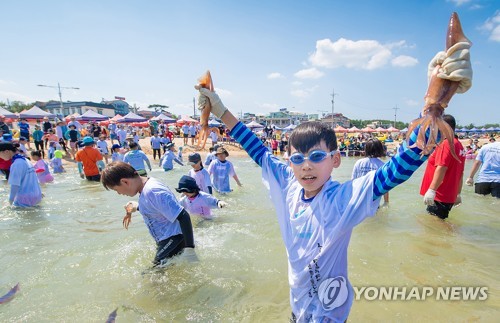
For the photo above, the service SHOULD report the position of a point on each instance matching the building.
(79, 107)
(338, 120)
(121, 106)
(284, 118)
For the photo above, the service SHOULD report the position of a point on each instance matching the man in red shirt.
(442, 182)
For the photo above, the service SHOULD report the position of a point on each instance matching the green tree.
(159, 108)
(18, 106)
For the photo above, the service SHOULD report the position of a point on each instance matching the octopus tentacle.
(205, 81)
(438, 95)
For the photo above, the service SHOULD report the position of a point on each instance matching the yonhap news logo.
(449, 293)
(333, 292)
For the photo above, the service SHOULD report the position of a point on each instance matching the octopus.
(439, 93)
(205, 81)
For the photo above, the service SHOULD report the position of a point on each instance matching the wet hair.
(133, 145)
(309, 134)
(450, 120)
(374, 148)
(114, 172)
(37, 153)
(4, 146)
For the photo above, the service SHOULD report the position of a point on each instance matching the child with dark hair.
(374, 149)
(195, 201)
(136, 159)
(168, 222)
(199, 173)
(41, 168)
(167, 160)
(317, 214)
(24, 187)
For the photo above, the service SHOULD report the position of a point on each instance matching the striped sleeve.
(249, 141)
(399, 168)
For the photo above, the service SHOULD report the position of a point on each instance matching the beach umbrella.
(132, 117)
(7, 114)
(340, 129)
(35, 113)
(91, 115)
(354, 129)
(254, 125)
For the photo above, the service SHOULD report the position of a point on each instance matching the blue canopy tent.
(473, 130)
(164, 118)
(213, 123)
(36, 113)
(132, 117)
(254, 125)
(463, 130)
(404, 130)
(91, 115)
(491, 129)
(7, 113)
(289, 127)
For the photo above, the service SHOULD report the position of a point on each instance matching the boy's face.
(189, 194)
(6, 154)
(197, 165)
(127, 187)
(221, 157)
(312, 176)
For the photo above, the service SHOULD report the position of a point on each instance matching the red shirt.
(448, 190)
(5, 164)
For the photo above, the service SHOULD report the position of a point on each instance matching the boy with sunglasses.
(316, 214)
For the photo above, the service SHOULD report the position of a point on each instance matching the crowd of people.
(316, 214)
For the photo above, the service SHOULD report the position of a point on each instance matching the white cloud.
(303, 93)
(458, 3)
(492, 25)
(270, 106)
(296, 83)
(309, 73)
(274, 75)
(404, 61)
(361, 54)
(12, 96)
(412, 103)
(223, 93)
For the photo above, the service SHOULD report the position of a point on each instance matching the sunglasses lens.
(317, 156)
(297, 159)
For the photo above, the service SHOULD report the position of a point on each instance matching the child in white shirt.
(195, 201)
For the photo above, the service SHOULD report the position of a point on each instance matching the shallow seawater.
(76, 263)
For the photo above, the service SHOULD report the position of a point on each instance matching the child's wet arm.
(400, 167)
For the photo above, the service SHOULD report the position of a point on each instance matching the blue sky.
(263, 55)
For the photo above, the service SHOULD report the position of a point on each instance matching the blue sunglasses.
(315, 156)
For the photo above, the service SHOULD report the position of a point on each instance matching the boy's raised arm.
(239, 131)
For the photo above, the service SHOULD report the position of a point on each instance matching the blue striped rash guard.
(317, 231)
(396, 171)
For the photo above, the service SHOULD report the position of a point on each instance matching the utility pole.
(59, 87)
(395, 114)
(333, 106)
(194, 107)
